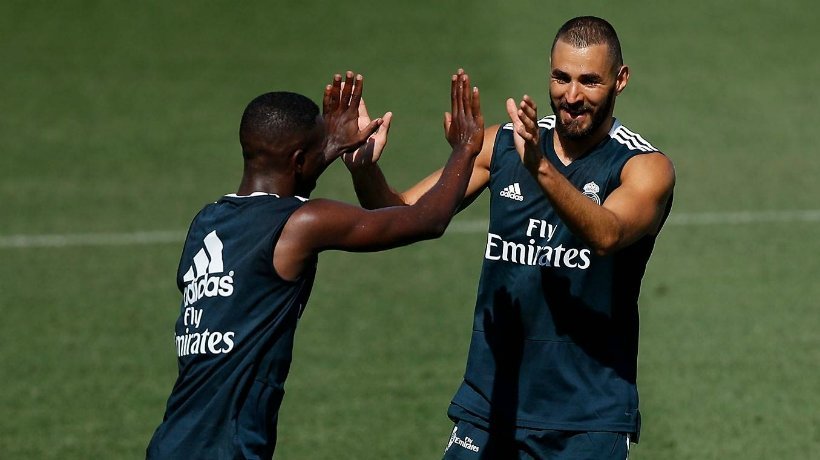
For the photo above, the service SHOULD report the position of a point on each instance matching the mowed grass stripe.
(467, 226)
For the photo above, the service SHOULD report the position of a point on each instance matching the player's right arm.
(325, 224)
(372, 188)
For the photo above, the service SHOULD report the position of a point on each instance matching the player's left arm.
(632, 210)
(638, 205)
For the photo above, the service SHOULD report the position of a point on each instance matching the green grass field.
(119, 119)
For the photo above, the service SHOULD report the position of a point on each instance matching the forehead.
(578, 61)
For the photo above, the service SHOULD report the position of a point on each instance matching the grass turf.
(121, 117)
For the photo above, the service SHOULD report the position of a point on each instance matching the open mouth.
(576, 114)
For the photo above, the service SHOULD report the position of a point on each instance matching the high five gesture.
(340, 110)
(464, 125)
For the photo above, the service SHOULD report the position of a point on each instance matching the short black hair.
(585, 31)
(274, 116)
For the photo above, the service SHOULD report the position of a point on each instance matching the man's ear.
(621, 79)
(297, 161)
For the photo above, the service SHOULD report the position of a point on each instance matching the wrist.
(361, 169)
(331, 152)
(463, 150)
(533, 160)
(541, 167)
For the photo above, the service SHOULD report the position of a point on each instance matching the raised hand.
(524, 117)
(464, 125)
(340, 110)
(371, 151)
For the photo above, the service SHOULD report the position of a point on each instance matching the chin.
(573, 131)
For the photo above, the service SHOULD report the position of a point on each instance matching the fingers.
(347, 89)
(512, 111)
(524, 117)
(347, 94)
(464, 125)
(326, 99)
(331, 99)
(453, 95)
(462, 76)
(466, 96)
(475, 104)
(357, 91)
(528, 115)
(460, 96)
(529, 109)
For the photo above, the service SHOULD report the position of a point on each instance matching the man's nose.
(574, 93)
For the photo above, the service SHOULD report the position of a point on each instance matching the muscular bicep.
(640, 201)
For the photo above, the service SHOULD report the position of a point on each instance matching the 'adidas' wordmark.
(199, 278)
(513, 192)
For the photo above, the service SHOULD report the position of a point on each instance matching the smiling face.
(584, 82)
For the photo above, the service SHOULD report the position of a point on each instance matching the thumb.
(371, 128)
(386, 119)
(363, 110)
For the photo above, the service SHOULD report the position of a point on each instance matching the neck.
(266, 183)
(570, 149)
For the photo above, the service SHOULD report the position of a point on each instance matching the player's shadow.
(603, 336)
(596, 333)
(504, 333)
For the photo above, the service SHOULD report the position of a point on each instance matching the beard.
(573, 129)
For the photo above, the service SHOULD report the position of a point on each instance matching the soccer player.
(249, 261)
(576, 203)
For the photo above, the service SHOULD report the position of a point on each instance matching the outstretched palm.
(371, 151)
(464, 126)
(340, 110)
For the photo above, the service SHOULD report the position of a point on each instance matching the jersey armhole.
(274, 238)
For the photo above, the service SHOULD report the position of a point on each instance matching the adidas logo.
(513, 192)
(207, 262)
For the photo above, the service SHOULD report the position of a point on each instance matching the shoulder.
(644, 159)
(320, 213)
(629, 139)
(653, 169)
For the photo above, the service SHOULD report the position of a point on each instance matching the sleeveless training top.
(234, 334)
(555, 334)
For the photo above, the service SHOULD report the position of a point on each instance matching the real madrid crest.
(591, 190)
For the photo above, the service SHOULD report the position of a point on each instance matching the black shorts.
(470, 442)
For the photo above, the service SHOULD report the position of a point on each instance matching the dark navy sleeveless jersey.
(234, 334)
(555, 334)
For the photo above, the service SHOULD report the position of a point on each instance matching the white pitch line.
(744, 217)
(91, 239)
(458, 226)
